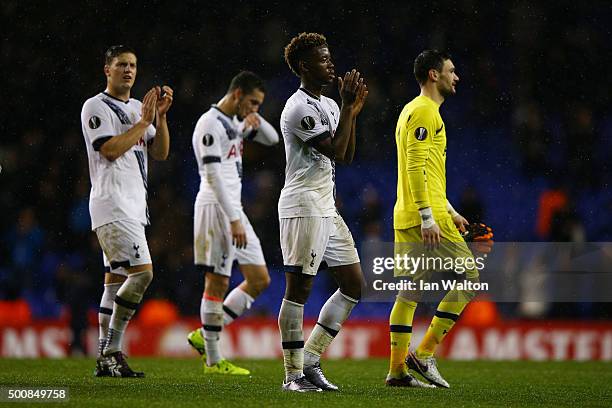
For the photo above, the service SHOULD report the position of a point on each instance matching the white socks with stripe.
(212, 324)
(333, 313)
(127, 300)
(105, 312)
(290, 323)
(235, 304)
(215, 314)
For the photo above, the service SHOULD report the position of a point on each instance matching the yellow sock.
(442, 323)
(400, 330)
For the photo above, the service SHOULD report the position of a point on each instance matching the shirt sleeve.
(208, 150)
(420, 130)
(150, 133)
(97, 122)
(305, 122)
(265, 134)
(208, 145)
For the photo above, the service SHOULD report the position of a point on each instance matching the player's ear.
(433, 75)
(106, 70)
(303, 67)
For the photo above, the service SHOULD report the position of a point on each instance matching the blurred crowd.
(531, 75)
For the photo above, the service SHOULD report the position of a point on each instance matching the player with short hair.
(317, 134)
(222, 231)
(119, 135)
(424, 216)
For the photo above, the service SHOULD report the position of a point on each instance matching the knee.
(216, 286)
(409, 296)
(353, 291)
(141, 279)
(351, 288)
(469, 295)
(261, 283)
(148, 276)
(298, 294)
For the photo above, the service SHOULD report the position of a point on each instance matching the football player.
(317, 134)
(222, 232)
(120, 132)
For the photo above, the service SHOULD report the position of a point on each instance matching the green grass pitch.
(180, 383)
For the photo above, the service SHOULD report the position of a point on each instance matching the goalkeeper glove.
(480, 237)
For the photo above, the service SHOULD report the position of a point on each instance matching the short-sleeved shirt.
(421, 157)
(309, 189)
(218, 138)
(119, 187)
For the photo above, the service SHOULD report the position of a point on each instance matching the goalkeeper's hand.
(480, 236)
(460, 222)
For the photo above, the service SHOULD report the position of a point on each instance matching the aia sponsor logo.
(236, 151)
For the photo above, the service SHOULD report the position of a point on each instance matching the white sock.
(105, 313)
(235, 304)
(333, 313)
(212, 324)
(290, 323)
(127, 300)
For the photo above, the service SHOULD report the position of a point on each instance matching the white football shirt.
(218, 138)
(309, 189)
(118, 188)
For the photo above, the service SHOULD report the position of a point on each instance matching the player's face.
(447, 80)
(121, 73)
(249, 103)
(320, 67)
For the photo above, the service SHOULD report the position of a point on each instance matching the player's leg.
(214, 253)
(241, 298)
(400, 332)
(290, 323)
(303, 241)
(112, 282)
(125, 245)
(343, 260)
(128, 298)
(401, 317)
(256, 276)
(448, 311)
(211, 313)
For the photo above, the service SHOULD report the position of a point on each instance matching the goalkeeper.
(424, 220)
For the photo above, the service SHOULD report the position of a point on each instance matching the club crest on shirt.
(94, 122)
(420, 133)
(208, 140)
(308, 123)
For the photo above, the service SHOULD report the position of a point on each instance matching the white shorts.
(307, 241)
(212, 241)
(123, 244)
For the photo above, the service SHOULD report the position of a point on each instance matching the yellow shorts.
(453, 253)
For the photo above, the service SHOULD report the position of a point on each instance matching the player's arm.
(209, 152)
(336, 147)
(420, 129)
(258, 129)
(160, 147)
(362, 94)
(113, 146)
(350, 148)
